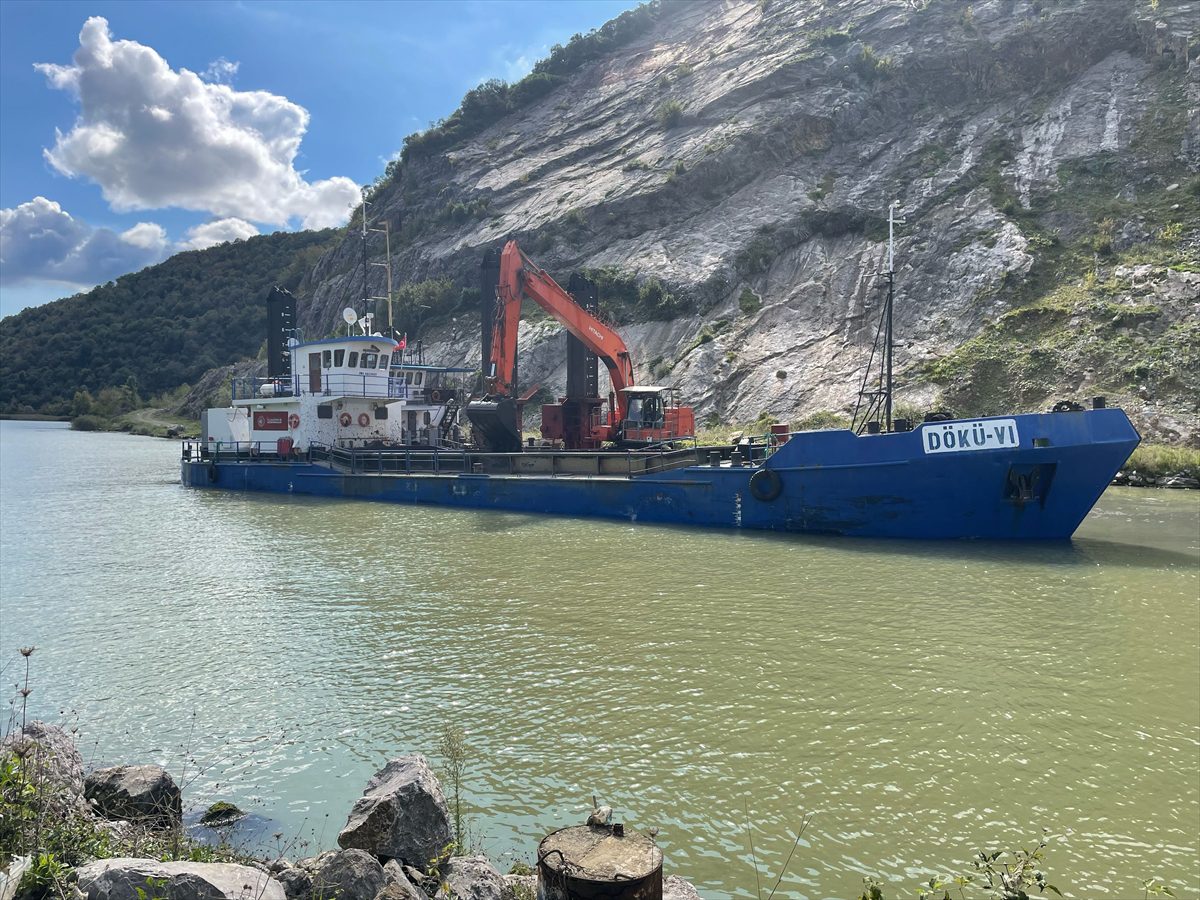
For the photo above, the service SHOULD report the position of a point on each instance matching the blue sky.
(290, 105)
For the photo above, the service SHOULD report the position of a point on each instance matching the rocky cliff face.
(738, 158)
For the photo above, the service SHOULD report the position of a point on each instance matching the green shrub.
(670, 113)
(749, 302)
(870, 66)
(87, 423)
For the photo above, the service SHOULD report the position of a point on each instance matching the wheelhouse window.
(384, 360)
(418, 377)
(352, 362)
(339, 357)
(326, 358)
(369, 360)
(408, 377)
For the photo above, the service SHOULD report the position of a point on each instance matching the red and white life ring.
(344, 418)
(435, 396)
(293, 421)
(364, 420)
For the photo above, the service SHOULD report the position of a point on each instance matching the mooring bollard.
(599, 862)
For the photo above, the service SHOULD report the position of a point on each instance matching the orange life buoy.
(364, 420)
(344, 418)
(294, 421)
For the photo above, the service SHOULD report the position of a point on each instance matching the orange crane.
(637, 416)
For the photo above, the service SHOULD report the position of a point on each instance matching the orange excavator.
(638, 416)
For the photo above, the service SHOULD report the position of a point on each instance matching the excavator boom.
(496, 416)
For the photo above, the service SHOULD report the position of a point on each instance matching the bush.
(870, 66)
(670, 113)
(87, 423)
(749, 302)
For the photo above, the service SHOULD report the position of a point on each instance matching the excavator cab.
(652, 417)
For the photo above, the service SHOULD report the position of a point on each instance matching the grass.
(1160, 460)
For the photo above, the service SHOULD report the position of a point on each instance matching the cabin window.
(369, 360)
(426, 418)
(384, 359)
(339, 357)
(408, 377)
(418, 378)
(381, 413)
(352, 362)
(325, 410)
(326, 358)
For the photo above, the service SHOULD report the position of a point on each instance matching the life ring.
(344, 418)
(364, 420)
(435, 396)
(765, 485)
(212, 473)
(293, 421)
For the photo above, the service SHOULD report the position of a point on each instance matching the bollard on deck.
(599, 862)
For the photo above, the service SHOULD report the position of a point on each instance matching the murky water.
(923, 700)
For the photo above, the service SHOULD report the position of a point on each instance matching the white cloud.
(220, 71)
(153, 137)
(39, 240)
(219, 232)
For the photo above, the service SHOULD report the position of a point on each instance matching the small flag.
(403, 342)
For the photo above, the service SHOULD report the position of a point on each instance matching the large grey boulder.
(144, 794)
(472, 878)
(676, 888)
(120, 879)
(345, 875)
(51, 763)
(401, 814)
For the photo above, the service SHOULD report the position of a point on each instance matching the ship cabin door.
(314, 373)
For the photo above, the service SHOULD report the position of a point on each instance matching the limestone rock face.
(473, 878)
(347, 874)
(401, 815)
(1012, 134)
(120, 879)
(144, 794)
(51, 762)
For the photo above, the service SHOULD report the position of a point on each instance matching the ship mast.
(891, 296)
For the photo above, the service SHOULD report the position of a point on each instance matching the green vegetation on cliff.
(151, 331)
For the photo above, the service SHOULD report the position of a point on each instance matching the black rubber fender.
(766, 485)
(212, 473)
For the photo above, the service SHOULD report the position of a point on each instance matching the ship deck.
(441, 461)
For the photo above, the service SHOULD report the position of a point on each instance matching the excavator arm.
(521, 276)
(497, 415)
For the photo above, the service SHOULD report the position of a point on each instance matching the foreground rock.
(676, 888)
(121, 879)
(345, 874)
(520, 887)
(51, 763)
(399, 886)
(473, 878)
(401, 815)
(143, 794)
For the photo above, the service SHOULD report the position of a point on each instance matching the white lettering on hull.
(955, 437)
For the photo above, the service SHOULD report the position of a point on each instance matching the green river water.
(923, 700)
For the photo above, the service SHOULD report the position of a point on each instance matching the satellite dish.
(349, 316)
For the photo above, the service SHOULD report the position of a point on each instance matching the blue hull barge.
(1020, 477)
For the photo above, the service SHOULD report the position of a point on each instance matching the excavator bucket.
(495, 424)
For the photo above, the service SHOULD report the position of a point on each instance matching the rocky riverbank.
(117, 833)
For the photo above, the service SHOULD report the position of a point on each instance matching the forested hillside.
(155, 329)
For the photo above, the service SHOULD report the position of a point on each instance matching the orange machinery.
(637, 415)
